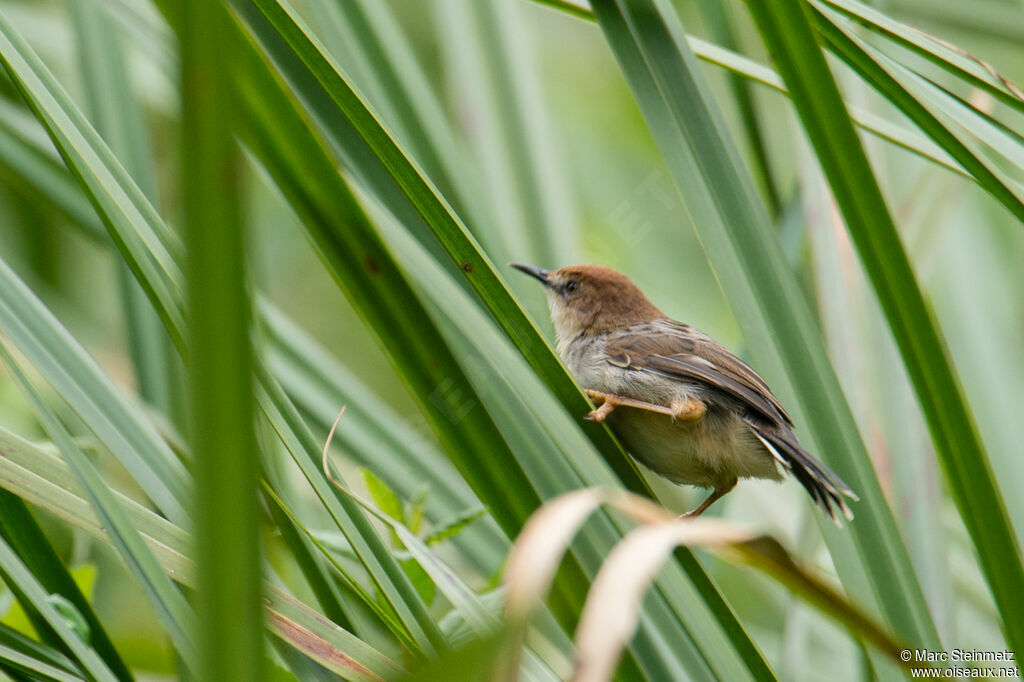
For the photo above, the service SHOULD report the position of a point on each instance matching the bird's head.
(590, 299)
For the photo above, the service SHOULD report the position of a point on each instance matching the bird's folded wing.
(677, 350)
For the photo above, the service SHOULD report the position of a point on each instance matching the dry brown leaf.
(611, 612)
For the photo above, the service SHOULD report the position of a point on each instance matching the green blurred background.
(615, 204)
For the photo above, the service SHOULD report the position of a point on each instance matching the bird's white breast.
(585, 358)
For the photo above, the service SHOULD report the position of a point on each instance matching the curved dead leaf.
(546, 537)
(611, 612)
(612, 609)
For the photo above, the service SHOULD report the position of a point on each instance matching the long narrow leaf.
(874, 72)
(465, 601)
(34, 166)
(476, 268)
(93, 164)
(718, 17)
(45, 481)
(376, 435)
(743, 249)
(749, 69)
(143, 227)
(366, 35)
(317, 574)
(20, 579)
(76, 376)
(168, 602)
(422, 634)
(14, 641)
(26, 537)
(786, 27)
(16, 661)
(142, 453)
(948, 57)
(116, 116)
(220, 357)
(494, 78)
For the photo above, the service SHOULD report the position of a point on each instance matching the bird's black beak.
(533, 270)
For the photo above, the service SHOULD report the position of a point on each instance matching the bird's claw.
(600, 413)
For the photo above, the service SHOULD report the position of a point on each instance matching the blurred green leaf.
(375, 434)
(35, 167)
(366, 35)
(383, 496)
(946, 56)
(168, 602)
(784, 342)
(45, 481)
(495, 81)
(41, 337)
(720, 22)
(851, 50)
(787, 29)
(113, 108)
(474, 662)
(749, 69)
(21, 653)
(72, 617)
(420, 580)
(313, 566)
(419, 631)
(20, 579)
(17, 663)
(220, 357)
(453, 527)
(114, 196)
(416, 509)
(75, 375)
(26, 537)
(379, 603)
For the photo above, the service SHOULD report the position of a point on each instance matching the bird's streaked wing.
(677, 350)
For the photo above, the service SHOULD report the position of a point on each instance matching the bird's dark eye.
(571, 287)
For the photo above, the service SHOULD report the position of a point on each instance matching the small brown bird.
(682, 404)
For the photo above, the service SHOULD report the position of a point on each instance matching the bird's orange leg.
(609, 401)
(690, 410)
(715, 495)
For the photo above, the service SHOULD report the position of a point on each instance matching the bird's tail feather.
(822, 484)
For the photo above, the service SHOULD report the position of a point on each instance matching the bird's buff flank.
(682, 404)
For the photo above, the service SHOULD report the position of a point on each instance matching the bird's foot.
(601, 412)
(606, 401)
(609, 401)
(689, 410)
(715, 495)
